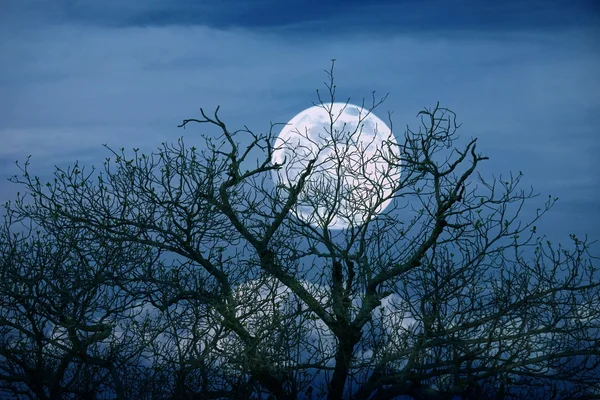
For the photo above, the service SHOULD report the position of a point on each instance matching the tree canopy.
(189, 273)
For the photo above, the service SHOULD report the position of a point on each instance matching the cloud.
(529, 95)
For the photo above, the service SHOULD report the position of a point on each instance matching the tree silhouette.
(187, 273)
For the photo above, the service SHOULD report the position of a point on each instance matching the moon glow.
(352, 177)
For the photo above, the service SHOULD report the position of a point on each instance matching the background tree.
(228, 293)
(67, 329)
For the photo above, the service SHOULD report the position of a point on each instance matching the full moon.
(356, 167)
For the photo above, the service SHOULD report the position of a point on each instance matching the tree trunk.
(347, 340)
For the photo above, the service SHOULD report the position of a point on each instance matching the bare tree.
(66, 328)
(444, 293)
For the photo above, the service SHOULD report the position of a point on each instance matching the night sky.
(522, 76)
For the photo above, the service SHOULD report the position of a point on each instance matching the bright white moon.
(352, 178)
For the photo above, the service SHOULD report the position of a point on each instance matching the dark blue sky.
(521, 75)
(387, 16)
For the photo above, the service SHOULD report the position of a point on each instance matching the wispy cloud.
(71, 81)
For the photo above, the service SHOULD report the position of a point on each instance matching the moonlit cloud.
(520, 77)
